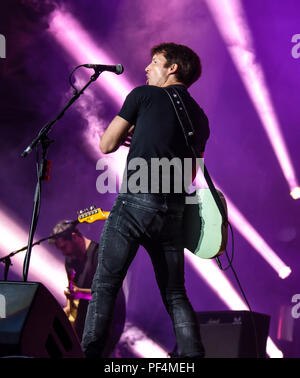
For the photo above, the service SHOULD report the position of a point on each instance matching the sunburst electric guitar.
(205, 234)
(73, 302)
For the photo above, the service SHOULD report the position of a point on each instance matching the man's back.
(157, 132)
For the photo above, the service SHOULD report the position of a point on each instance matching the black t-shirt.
(157, 132)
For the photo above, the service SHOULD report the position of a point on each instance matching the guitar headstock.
(92, 214)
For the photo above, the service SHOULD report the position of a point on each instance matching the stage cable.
(230, 261)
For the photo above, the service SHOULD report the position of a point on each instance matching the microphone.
(117, 69)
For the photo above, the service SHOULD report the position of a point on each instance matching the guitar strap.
(188, 132)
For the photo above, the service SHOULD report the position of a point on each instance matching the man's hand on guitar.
(77, 293)
(71, 294)
(67, 310)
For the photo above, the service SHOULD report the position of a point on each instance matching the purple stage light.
(44, 266)
(257, 242)
(140, 344)
(217, 280)
(248, 232)
(295, 192)
(232, 24)
(222, 287)
(76, 41)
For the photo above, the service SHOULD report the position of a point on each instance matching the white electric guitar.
(204, 233)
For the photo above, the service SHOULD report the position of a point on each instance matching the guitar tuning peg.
(93, 207)
(79, 212)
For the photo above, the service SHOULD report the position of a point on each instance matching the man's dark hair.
(64, 229)
(189, 64)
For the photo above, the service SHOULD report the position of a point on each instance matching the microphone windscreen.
(119, 69)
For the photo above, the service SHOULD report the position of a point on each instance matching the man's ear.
(173, 68)
(74, 235)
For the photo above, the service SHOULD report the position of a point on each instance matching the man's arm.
(77, 293)
(114, 135)
(67, 308)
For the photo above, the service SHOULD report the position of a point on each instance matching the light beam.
(232, 24)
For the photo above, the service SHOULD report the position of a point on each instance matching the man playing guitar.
(81, 260)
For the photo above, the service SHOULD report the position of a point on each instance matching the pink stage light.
(76, 41)
(230, 20)
(249, 233)
(44, 267)
(140, 344)
(257, 242)
(88, 106)
(217, 280)
(222, 287)
(295, 193)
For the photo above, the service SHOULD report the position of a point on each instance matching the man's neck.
(87, 243)
(172, 82)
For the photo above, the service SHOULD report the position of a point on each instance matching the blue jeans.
(155, 222)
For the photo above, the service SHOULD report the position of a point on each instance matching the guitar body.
(204, 233)
(74, 303)
(73, 310)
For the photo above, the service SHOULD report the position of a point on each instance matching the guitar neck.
(92, 215)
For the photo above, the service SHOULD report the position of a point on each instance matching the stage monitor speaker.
(33, 324)
(230, 334)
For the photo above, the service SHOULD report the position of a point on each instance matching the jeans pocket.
(135, 220)
(114, 215)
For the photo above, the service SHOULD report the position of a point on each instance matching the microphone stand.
(7, 261)
(43, 139)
